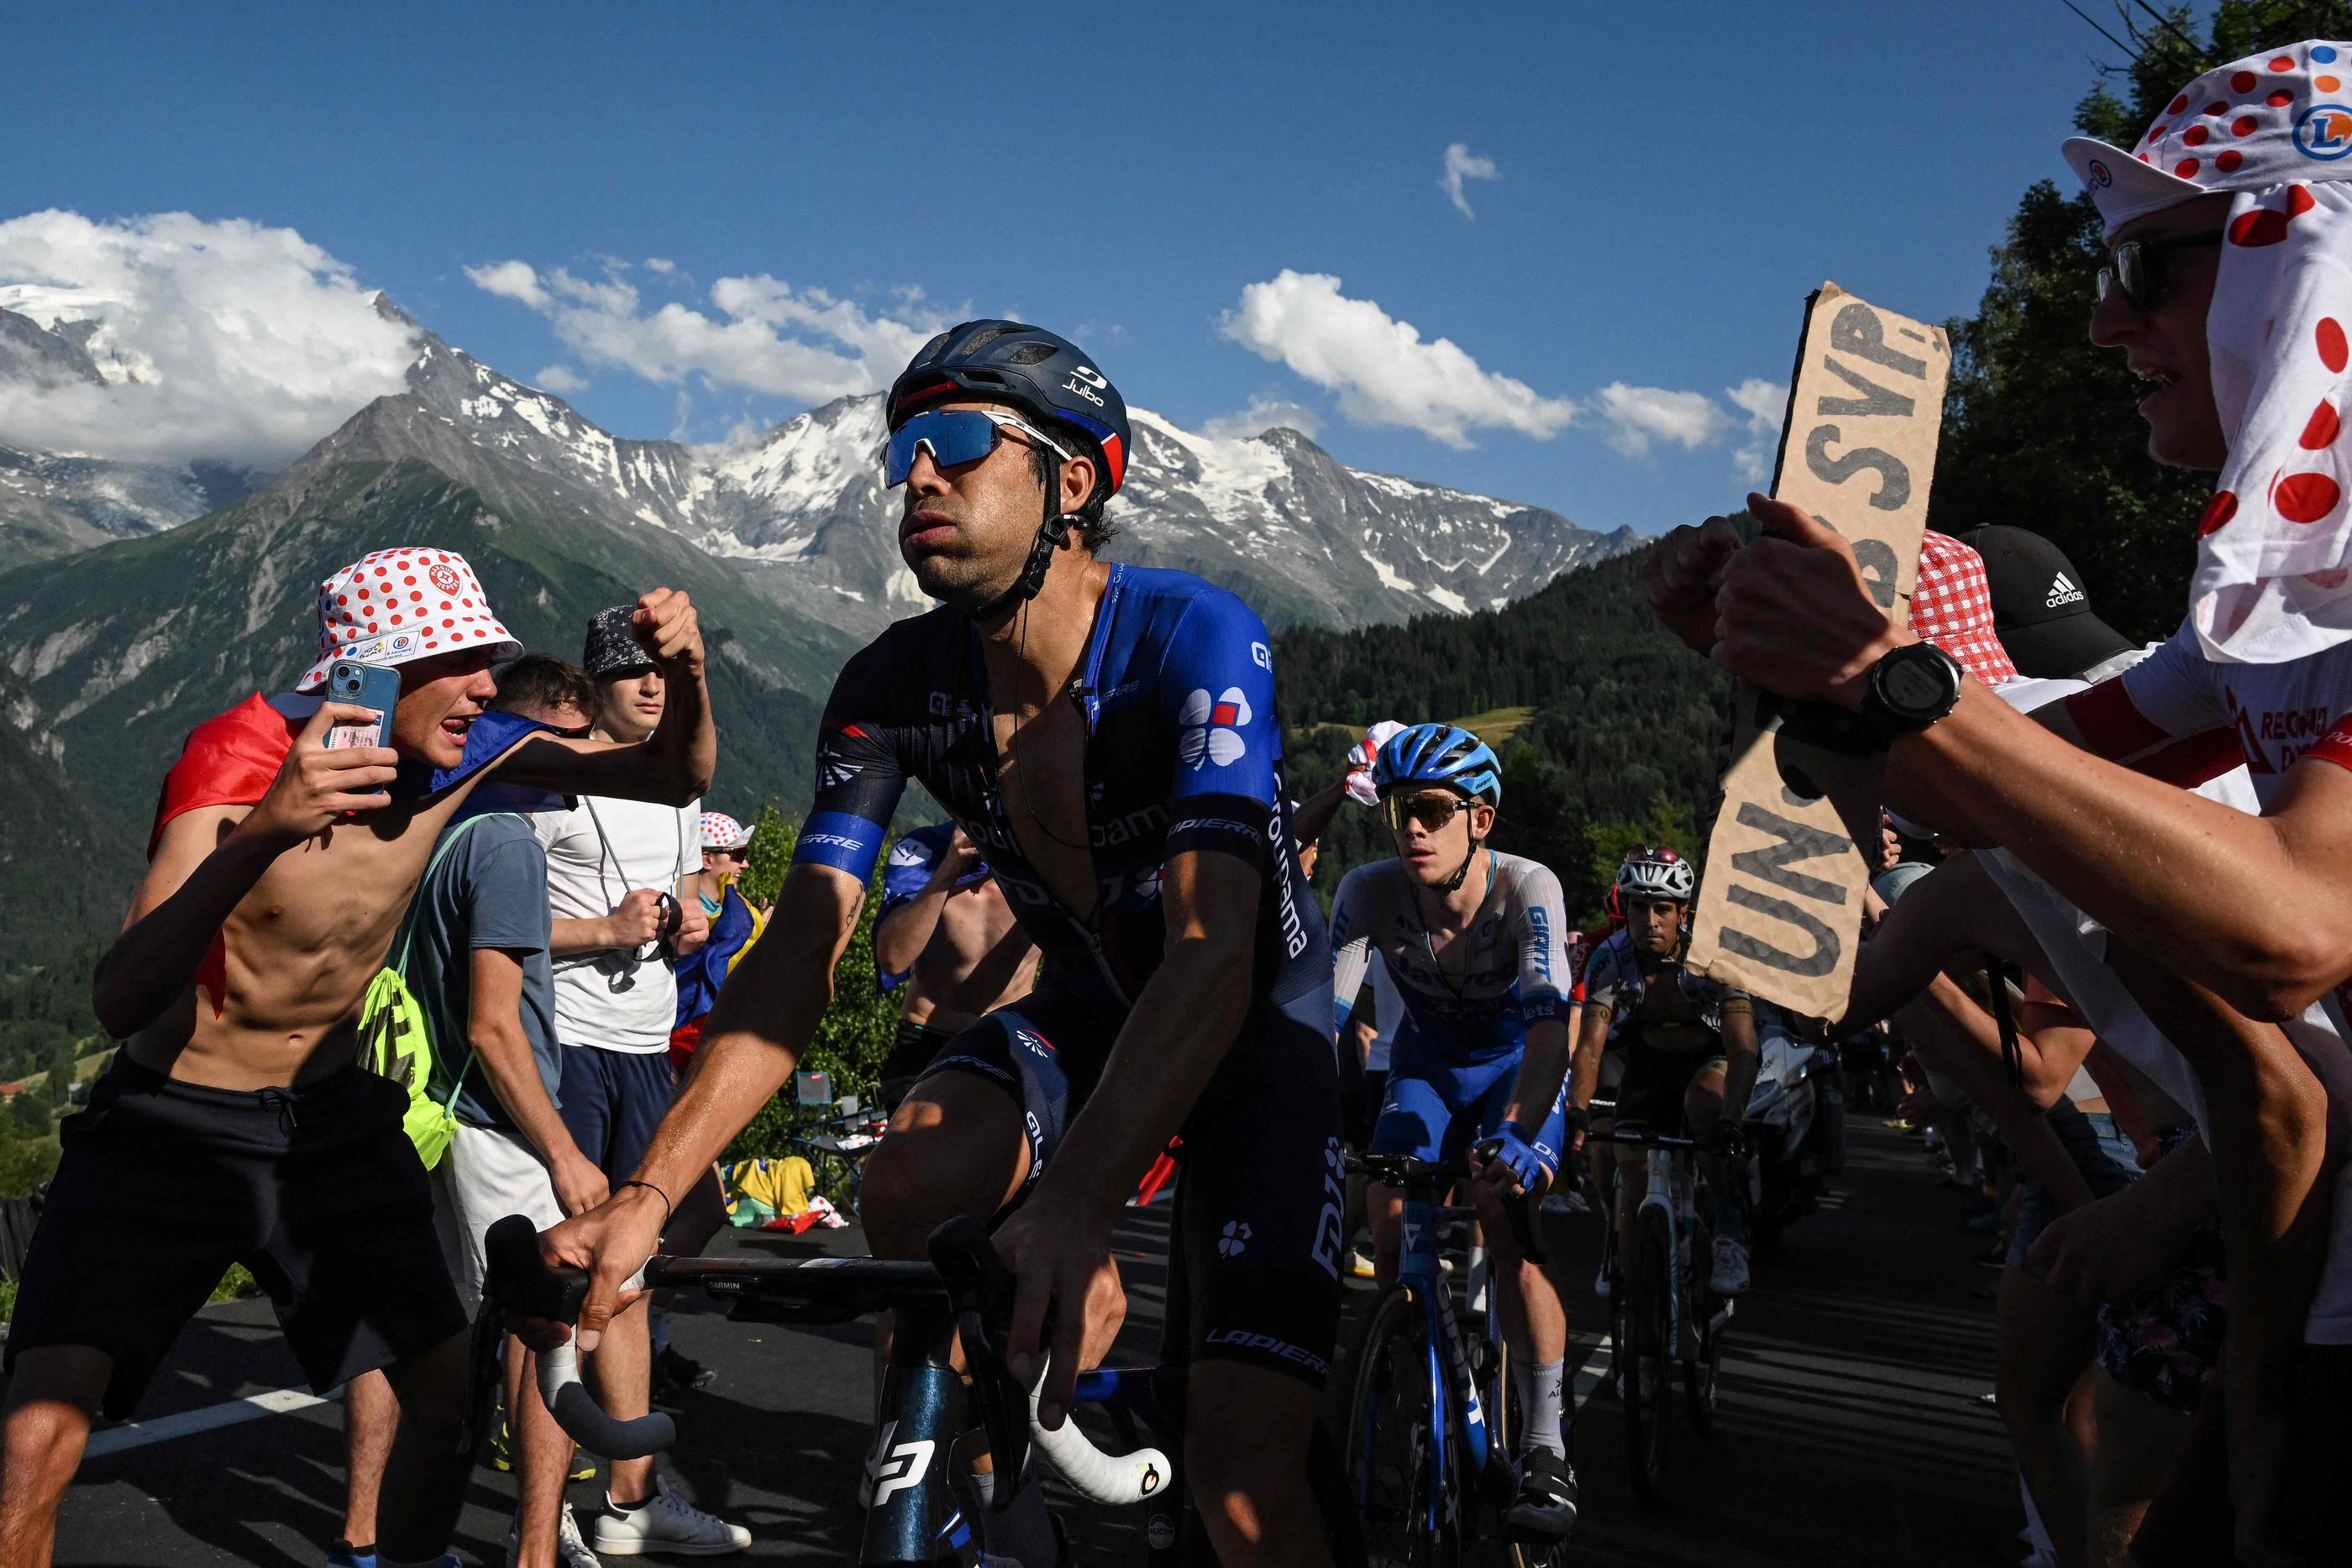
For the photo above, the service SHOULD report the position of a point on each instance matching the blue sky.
(1670, 184)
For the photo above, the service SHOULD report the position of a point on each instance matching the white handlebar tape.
(576, 1411)
(1096, 1476)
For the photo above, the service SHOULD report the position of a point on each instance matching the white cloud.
(561, 380)
(767, 335)
(223, 340)
(1383, 372)
(1636, 416)
(1461, 164)
(1765, 403)
(660, 264)
(1263, 414)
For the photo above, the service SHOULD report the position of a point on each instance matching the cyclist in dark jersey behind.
(1106, 735)
(1689, 1044)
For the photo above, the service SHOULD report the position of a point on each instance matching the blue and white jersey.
(1512, 964)
(1183, 752)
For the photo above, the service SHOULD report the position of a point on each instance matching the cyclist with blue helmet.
(1475, 943)
(1107, 737)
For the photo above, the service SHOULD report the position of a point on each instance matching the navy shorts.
(1437, 1113)
(1253, 1271)
(611, 1103)
(163, 1184)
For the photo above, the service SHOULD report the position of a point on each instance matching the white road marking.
(188, 1423)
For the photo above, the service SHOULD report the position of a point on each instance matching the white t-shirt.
(611, 999)
(2182, 716)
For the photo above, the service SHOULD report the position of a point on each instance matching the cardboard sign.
(1779, 911)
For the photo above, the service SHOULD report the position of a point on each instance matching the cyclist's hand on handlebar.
(1067, 1282)
(1508, 1157)
(611, 1242)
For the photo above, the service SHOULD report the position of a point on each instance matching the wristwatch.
(1908, 689)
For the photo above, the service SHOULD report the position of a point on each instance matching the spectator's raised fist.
(667, 624)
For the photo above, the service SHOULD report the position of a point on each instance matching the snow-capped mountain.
(801, 513)
(55, 502)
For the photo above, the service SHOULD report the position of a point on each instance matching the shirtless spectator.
(2227, 934)
(234, 1126)
(947, 941)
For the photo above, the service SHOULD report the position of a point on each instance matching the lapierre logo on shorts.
(2324, 132)
(1243, 1339)
(1213, 727)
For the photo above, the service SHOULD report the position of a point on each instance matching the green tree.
(61, 1074)
(29, 1112)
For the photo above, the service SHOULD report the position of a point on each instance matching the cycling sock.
(983, 1484)
(624, 1507)
(1541, 1388)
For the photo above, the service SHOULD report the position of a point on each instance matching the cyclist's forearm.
(1741, 1057)
(901, 936)
(752, 1039)
(1543, 1066)
(1181, 1028)
(1592, 1042)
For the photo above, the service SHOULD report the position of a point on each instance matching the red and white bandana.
(399, 605)
(2273, 579)
(1952, 607)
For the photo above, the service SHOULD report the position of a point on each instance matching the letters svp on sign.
(1780, 908)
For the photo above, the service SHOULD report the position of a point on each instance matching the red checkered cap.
(398, 605)
(1952, 607)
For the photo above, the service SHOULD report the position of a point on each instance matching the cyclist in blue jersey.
(1476, 944)
(1106, 736)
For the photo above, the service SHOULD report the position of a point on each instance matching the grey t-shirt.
(489, 890)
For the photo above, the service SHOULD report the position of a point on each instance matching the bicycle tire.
(1390, 1465)
(1647, 1287)
(1704, 1357)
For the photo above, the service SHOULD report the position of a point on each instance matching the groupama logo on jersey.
(1212, 727)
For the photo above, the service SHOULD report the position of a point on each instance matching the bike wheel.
(1394, 1475)
(1702, 1351)
(1645, 1351)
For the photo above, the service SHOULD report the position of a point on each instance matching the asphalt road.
(1853, 1428)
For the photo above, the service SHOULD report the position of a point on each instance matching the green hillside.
(1609, 729)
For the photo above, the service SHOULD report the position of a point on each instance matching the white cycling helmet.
(1656, 874)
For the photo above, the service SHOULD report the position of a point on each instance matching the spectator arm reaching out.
(1945, 1026)
(2258, 908)
(1315, 812)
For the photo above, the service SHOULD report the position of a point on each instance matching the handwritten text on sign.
(1780, 908)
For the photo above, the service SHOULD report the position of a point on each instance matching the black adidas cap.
(2040, 608)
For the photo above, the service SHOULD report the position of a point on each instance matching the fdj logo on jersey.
(1212, 727)
(2323, 132)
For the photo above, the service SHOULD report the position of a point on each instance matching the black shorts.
(163, 1184)
(611, 1103)
(911, 1050)
(2192, 1521)
(1253, 1271)
(1650, 1095)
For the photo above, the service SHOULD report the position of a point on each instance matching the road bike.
(919, 1508)
(1664, 1310)
(1434, 1412)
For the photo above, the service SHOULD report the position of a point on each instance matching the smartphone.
(373, 687)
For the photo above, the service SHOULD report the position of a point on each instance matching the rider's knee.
(1252, 1494)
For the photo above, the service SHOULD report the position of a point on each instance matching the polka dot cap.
(2273, 580)
(2269, 120)
(721, 832)
(397, 605)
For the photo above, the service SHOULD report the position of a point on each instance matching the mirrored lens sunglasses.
(955, 436)
(1431, 811)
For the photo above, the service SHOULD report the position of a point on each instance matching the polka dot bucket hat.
(399, 605)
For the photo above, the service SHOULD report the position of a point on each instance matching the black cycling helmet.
(1012, 362)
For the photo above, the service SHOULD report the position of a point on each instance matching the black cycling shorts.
(911, 1050)
(1253, 1271)
(1650, 1095)
(163, 1184)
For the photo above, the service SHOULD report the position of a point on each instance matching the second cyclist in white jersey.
(1473, 941)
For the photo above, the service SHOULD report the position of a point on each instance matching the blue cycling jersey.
(1183, 752)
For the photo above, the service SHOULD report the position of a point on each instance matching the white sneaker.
(1730, 1275)
(571, 1551)
(668, 1523)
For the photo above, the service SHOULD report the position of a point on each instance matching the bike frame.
(1460, 1431)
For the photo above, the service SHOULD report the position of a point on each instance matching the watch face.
(1914, 686)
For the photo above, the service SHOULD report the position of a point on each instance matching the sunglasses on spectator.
(955, 436)
(740, 852)
(1432, 810)
(2137, 266)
